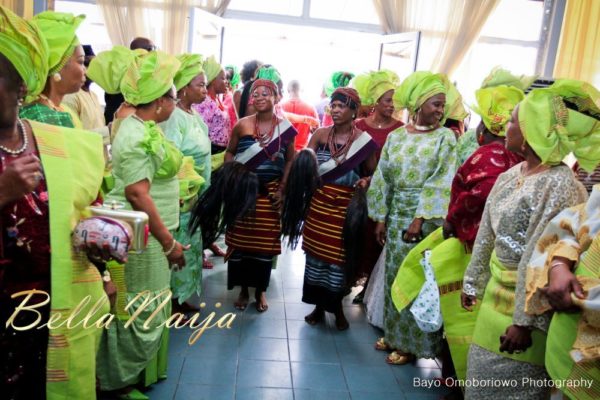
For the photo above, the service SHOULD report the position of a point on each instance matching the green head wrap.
(338, 79)
(416, 89)
(563, 118)
(108, 67)
(455, 108)
(23, 45)
(59, 31)
(211, 68)
(373, 85)
(235, 78)
(191, 67)
(495, 105)
(268, 73)
(149, 77)
(499, 76)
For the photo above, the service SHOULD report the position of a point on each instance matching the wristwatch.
(106, 276)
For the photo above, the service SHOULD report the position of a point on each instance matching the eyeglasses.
(175, 100)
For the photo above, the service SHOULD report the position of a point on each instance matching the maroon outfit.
(372, 249)
(472, 185)
(24, 265)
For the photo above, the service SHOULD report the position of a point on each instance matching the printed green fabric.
(23, 45)
(42, 113)
(561, 119)
(417, 88)
(59, 31)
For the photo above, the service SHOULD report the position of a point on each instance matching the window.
(362, 11)
(280, 7)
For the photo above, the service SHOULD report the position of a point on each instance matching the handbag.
(426, 306)
(113, 229)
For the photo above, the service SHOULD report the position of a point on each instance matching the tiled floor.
(276, 355)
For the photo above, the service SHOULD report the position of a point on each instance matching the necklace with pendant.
(523, 175)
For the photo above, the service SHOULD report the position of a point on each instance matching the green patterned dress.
(135, 354)
(467, 145)
(190, 134)
(412, 180)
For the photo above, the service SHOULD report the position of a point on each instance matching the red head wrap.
(267, 83)
(348, 96)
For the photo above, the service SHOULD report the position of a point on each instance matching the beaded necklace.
(265, 138)
(23, 135)
(339, 155)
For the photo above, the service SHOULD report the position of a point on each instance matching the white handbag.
(426, 306)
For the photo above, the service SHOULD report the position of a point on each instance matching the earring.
(158, 110)
(523, 147)
(353, 116)
(20, 102)
(57, 77)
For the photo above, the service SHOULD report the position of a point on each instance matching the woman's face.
(167, 105)
(218, 84)
(196, 90)
(432, 111)
(514, 135)
(263, 99)
(340, 112)
(385, 105)
(73, 73)
(9, 98)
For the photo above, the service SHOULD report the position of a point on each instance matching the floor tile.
(209, 371)
(261, 374)
(306, 394)
(259, 327)
(351, 352)
(215, 346)
(292, 295)
(276, 310)
(297, 311)
(318, 376)
(358, 395)
(269, 349)
(164, 390)
(264, 394)
(358, 332)
(302, 330)
(204, 392)
(313, 350)
(370, 379)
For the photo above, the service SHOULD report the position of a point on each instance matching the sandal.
(397, 358)
(261, 308)
(381, 345)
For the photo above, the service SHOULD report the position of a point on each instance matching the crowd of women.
(480, 248)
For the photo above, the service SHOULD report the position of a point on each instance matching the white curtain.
(166, 22)
(449, 27)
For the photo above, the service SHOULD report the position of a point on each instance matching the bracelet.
(558, 264)
(106, 276)
(168, 252)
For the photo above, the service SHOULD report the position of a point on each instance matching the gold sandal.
(381, 345)
(397, 358)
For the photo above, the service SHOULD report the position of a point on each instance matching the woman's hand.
(516, 339)
(448, 229)
(19, 178)
(467, 301)
(277, 198)
(413, 234)
(561, 283)
(380, 233)
(111, 292)
(176, 257)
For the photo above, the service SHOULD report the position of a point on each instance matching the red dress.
(472, 185)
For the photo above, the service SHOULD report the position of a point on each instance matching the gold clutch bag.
(137, 220)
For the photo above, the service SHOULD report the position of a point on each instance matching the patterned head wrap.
(499, 76)
(108, 67)
(149, 77)
(338, 79)
(267, 83)
(235, 77)
(346, 95)
(23, 45)
(268, 72)
(561, 119)
(59, 31)
(495, 105)
(417, 88)
(211, 68)
(191, 66)
(455, 108)
(373, 85)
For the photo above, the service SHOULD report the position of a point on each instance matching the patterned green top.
(467, 144)
(413, 176)
(140, 151)
(190, 134)
(42, 113)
